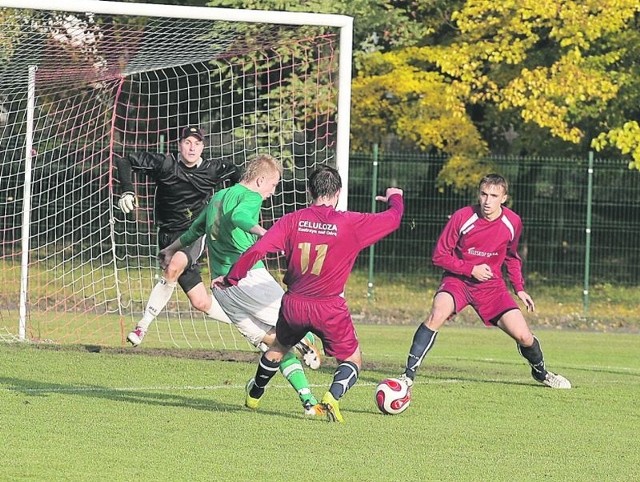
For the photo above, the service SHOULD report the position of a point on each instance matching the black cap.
(194, 131)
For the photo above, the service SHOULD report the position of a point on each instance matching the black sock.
(344, 378)
(265, 372)
(533, 354)
(423, 340)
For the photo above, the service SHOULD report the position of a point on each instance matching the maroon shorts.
(328, 318)
(491, 299)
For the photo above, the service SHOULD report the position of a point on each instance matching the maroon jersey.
(320, 245)
(468, 240)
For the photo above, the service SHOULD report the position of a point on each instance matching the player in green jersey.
(231, 226)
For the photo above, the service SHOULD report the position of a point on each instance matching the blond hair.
(261, 165)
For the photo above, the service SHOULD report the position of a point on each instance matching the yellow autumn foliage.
(555, 63)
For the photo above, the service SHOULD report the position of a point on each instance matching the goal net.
(83, 82)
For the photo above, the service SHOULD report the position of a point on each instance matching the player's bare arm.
(527, 300)
(219, 283)
(258, 230)
(482, 272)
(390, 192)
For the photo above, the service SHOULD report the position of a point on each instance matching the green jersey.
(226, 222)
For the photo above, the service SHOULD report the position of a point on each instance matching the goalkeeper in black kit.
(184, 183)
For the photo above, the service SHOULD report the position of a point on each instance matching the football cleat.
(136, 336)
(249, 401)
(309, 352)
(553, 380)
(332, 408)
(316, 410)
(405, 379)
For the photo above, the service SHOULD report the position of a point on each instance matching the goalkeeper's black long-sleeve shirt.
(181, 191)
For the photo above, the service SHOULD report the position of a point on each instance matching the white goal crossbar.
(343, 22)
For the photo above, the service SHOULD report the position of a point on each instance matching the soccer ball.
(392, 396)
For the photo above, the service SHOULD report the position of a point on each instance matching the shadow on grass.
(30, 388)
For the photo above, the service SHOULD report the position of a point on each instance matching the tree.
(558, 68)
(379, 25)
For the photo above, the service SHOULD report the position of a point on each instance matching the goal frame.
(342, 22)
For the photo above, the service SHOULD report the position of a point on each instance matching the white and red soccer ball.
(393, 396)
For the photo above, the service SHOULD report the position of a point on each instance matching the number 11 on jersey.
(321, 253)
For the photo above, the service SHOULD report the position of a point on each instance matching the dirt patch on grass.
(239, 356)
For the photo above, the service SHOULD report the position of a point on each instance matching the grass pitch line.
(607, 368)
(241, 387)
(183, 388)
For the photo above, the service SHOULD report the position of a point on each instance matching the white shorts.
(253, 304)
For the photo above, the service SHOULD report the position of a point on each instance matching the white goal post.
(84, 82)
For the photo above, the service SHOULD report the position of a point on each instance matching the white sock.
(158, 299)
(216, 312)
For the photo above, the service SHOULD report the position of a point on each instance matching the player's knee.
(172, 272)
(201, 304)
(436, 319)
(355, 358)
(523, 338)
(176, 267)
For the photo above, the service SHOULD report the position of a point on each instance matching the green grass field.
(76, 413)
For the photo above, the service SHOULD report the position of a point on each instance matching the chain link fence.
(551, 195)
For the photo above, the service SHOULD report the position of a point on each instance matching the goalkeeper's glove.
(128, 202)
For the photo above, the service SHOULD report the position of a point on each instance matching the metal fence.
(553, 197)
